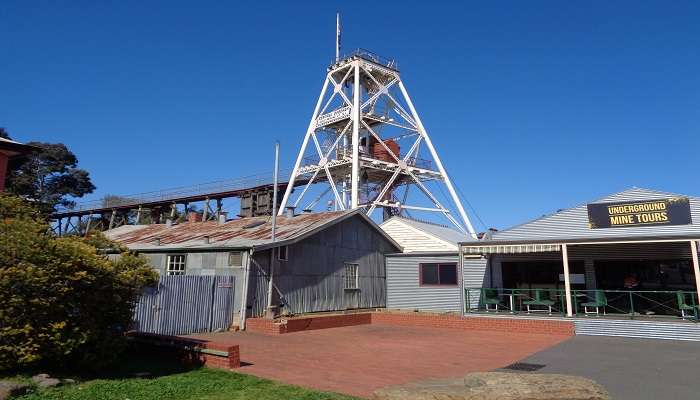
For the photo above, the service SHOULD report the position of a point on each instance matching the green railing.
(629, 303)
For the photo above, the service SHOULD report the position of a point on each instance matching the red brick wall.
(307, 323)
(514, 325)
(230, 361)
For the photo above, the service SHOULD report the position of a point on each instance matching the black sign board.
(671, 211)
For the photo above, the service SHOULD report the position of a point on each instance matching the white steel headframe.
(345, 111)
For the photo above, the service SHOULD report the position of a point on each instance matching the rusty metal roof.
(236, 233)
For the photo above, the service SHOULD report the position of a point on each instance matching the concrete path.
(634, 369)
(357, 360)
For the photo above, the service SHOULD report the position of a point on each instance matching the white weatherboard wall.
(403, 283)
(413, 239)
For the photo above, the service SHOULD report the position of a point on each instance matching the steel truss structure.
(362, 119)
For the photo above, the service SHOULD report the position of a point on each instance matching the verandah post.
(696, 266)
(567, 280)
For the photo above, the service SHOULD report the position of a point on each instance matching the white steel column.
(696, 265)
(355, 178)
(462, 304)
(445, 177)
(309, 131)
(567, 281)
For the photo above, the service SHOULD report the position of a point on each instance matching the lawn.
(172, 381)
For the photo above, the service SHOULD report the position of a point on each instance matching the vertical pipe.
(218, 209)
(567, 280)
(696, 265)
(355, 178)
(274, 225)
(87, 224)
(205, 214)
(111, 218)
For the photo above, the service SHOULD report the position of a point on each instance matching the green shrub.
(62, 302)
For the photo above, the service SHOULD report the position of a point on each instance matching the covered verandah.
(621, 277)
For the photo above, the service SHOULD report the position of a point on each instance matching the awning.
(512, 248)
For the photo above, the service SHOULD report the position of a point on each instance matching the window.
(438, 274)
(176, 264)
(282, 253)
(235, 259)
(351, 276)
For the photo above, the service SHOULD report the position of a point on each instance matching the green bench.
(538, 300)
(598, 301)
(490, 297)
(685, 307)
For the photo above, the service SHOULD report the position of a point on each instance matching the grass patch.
(203, 384)
(172, 381)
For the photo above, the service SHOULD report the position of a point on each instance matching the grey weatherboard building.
(322, 262)
(427, 245)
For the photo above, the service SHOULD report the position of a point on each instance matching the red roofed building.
(9, 149)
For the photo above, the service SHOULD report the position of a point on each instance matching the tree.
(64, 302)
(49, 176)
(4, 134)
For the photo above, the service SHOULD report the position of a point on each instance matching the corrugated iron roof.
(572, 224)
(236, 233)
(440, 231)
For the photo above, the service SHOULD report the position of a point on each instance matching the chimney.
(206, 240)
(222, 217)
(169, 223)
(156, 241)
(289, 211)
(193, 217)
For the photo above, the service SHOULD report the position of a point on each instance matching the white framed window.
(283, 253)
(351, 276)
(176, 264)
(235, 259)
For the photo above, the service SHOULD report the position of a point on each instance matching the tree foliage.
(64, 302)
(49, 176)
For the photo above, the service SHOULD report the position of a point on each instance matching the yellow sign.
(673, 211)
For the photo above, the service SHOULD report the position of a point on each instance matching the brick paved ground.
(360, 359)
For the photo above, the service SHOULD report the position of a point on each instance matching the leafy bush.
(63, 303)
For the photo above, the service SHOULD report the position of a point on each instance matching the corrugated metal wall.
(312, 280)
(404, 290)
(186, 304)
(573, 222)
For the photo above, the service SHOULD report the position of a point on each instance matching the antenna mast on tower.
(367, 142)
(337, 37)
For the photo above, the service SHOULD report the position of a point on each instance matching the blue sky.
(533, 106)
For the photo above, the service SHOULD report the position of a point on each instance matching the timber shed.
(327, 261)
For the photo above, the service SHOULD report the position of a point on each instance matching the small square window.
(438, 274)
(176, 264)
(282, 253)
(235, 259)
(351, 276)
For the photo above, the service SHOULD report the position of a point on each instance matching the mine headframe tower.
(367, 142)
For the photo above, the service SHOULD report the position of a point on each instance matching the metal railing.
(373, 57)
(178, 192)
(629, 303)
